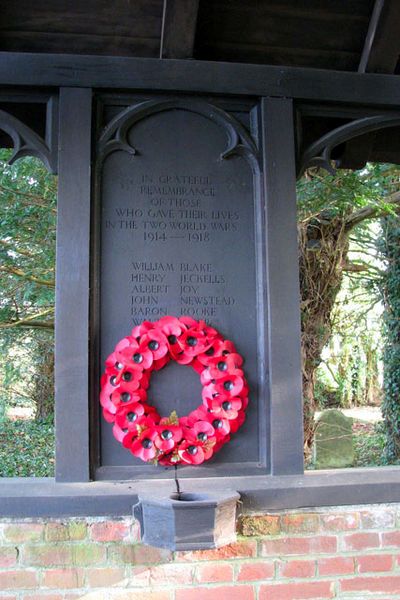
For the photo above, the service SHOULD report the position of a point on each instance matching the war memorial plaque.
(178, 212)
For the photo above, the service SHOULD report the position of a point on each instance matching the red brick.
(291, 546)
(380, 517)
(133, 595)
(138, 576)
(45, 596)
(300, 523)
(23, 532)
(260, 525)
(18, 580)
(339, 565)
(375, 563)
(340, 522)
(8, 557)
(256, 571)
(171, 574)
(65, 532)
(237, 592)
(298, 568)
(214, 573)
(47, 555)
(297, 591)
(105, 576)
(391, 538)
(138, 554)
(109, 531)
(387, 584)
(361, 541)
(62, 578)
(243, 549)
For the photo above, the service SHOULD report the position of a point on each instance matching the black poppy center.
(225, 352)
(228, 385)
(191, 341)
(153, 345)
(172, 339)
(217, 423)
(131, 416)
(127, 376)
(137, 358)
(125, 397)
(113, 380)
(192, 450)
(210, 351)
(166, 434)
(222, 366)
(202, 436)
(118, 366)
(146, 443)
(226, 405)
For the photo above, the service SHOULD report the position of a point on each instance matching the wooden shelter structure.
(290, 84)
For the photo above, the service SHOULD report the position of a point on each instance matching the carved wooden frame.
(280, 90)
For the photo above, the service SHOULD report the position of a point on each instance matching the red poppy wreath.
(174, 440)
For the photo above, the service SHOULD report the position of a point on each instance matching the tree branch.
(371, 212)
(28, 325)
(20, 273)
(17, 250)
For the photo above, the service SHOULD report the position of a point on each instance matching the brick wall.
(348, 553)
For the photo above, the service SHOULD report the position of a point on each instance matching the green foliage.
(369, 446)
(27, 448)
(344, 192)
(27, 256)
(390, 248)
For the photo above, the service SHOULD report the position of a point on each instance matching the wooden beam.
(194, 76)
(178, 28)
(382, 44)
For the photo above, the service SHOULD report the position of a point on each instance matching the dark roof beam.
(178, 28)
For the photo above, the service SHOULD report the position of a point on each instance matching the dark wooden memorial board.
(180, 213)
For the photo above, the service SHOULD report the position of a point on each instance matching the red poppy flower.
(124, 343)
(222, 365)
(204, 432)
(156, 342)
(238, 422)
(221, 426)
(228, 386)
(191, 452)
(170, 326)
(225, 408)
(194, 438)
(108, 416)
(129, 414)
(141, 329)
(205, 376)
(199, 414)
(121, 397)
(136, 356)
(143, 446)
(197, 366)
(193, 341)
(106, 397)
(160, 363)
(168, 436)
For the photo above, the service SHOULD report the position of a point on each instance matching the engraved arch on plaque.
(27, 142)
(115, 135)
